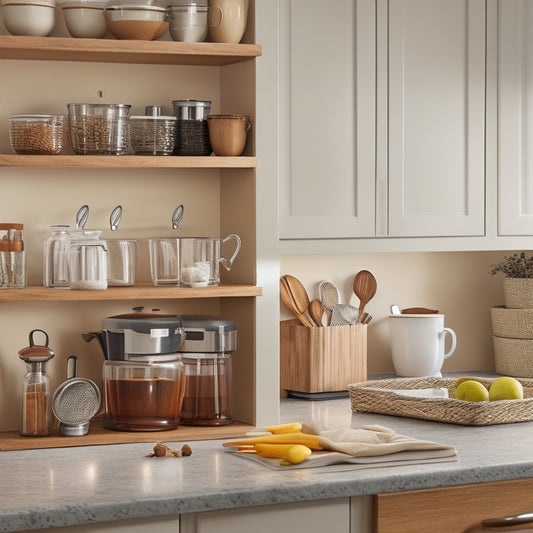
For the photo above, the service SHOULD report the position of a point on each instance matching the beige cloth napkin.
(365, 447)
(370, 441)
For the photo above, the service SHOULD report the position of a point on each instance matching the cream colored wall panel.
(326, 139)
(436, 82)
(515, 113)
(457, 284)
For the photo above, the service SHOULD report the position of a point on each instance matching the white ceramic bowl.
(85, 21)
(143, 23)
(36, 18)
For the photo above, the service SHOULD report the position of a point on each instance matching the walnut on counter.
(161, 450)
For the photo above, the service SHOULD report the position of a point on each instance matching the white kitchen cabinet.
(165, 524)
(431, 152)
(326, 118)
(393, 146)
(333, 516)
(515, 116)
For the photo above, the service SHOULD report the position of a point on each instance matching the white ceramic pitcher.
(227, 20)
(418, 344)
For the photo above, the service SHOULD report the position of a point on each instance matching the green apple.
(464, 378)
(471, 391)
(506, 388)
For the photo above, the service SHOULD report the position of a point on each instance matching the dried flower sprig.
(518, 265)
(161, 450)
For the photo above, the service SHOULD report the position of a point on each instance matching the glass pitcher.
(87, 261)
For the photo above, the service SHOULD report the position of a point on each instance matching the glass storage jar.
(35, 134)
(99, 128)
(87, 261)
(56, 253)
(153, 135)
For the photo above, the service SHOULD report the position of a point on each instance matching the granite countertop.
(68, 486)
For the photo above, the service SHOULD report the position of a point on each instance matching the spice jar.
(36, 407)
(87, 261)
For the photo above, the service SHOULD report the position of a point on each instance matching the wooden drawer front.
(451, 509)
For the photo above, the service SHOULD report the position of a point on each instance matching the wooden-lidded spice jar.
(36, 403)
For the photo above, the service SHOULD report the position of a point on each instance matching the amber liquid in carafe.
(201, 406)
(143, 404)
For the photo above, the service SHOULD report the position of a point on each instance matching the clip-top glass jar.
(56, 252)
(87, 261)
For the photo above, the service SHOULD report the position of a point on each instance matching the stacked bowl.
(512, 337)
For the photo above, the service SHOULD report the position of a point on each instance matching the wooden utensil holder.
(321, 359)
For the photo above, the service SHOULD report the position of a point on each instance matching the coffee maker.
(144, 376)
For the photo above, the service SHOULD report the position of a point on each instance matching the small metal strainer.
(75, 402)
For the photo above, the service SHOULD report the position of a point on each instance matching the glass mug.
(121, 262)
(199, 260)
(164, 265)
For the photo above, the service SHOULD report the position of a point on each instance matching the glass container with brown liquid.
(207, 399)
(207, 354)
(143, 396)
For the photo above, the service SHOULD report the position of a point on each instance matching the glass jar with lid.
(87, 261)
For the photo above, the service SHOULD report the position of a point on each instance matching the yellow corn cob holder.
(286, 443)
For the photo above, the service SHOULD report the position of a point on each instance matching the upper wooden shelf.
(126, 161)
(142, 291)
(123, 51)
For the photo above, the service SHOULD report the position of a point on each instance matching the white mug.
(418, 345)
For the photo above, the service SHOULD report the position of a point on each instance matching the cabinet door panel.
(308, 517)
(436, 77)
(457, 509)
(327, 83)
(515, 116)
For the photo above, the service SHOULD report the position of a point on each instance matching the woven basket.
(512, 323)
(518, 292)
(379, 397)
(513, 357)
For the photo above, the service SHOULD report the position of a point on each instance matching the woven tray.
(378, 397)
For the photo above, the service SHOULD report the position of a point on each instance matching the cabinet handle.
(506, 521)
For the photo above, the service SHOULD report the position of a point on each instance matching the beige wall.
(458, 284)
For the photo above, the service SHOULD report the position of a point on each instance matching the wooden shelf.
(137, 292)
(123, 51)
(126, 161)
(11, 440)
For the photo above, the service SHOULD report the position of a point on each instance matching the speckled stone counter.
(60, 487)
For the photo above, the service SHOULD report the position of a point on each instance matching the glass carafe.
(87, 261)
(56, 252)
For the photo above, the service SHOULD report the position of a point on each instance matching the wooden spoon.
(364, 287)
(287, 299)
(299, 296)
(317, 310)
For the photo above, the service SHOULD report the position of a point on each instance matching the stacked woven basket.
(512, 329)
